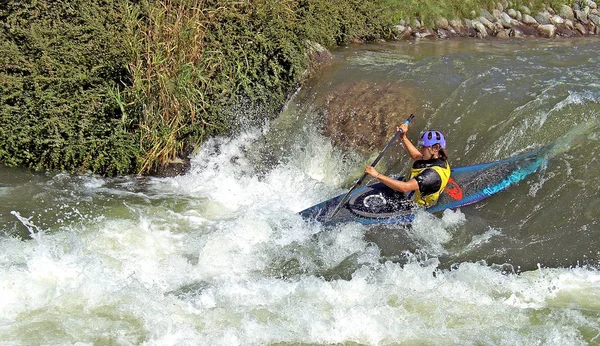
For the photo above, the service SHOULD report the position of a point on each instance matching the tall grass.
(197, 60)
(169, 80)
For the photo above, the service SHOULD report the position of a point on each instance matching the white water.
(219, 257)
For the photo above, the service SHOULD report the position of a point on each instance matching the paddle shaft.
(339, 206)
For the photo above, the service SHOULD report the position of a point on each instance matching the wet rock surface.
(363, 115)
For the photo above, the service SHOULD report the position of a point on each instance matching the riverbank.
(505, 21)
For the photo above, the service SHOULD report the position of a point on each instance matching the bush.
(60, 62)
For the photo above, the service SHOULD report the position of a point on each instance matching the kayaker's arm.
(402, 186)
(410, 148)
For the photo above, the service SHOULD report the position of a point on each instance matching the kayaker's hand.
(404, 128)
(371, 171)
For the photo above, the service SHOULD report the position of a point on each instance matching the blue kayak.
(378, 204)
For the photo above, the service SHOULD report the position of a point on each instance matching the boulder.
(488, 24)
(581, 16)
(566, 12)
(457, 24)
(557, 20)
(441, 23)
(529, 20)
(480, 28)
(506, 20)
(317, 53)
(497, 15)
(543, 18)
(569, 24)
(595, 19)
(546, 30)
(512, 13)
(524, 30)
(589, 3)
(487, 15)
(565, 31)
(416, 24)
(504, 34)
(579, 27)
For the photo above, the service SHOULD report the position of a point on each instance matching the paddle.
(339, 206)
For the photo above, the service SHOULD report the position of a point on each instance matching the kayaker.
(430, 170)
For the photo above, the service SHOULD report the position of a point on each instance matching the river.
(219, 256)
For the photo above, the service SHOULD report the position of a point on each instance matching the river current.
(219, 256)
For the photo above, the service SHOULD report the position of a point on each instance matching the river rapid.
(219, 256)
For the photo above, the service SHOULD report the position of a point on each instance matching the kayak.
(378, 204)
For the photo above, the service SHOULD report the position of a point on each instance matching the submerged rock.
(363, 115)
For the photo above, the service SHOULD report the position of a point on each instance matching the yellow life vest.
(430, 199)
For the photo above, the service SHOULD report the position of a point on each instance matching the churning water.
(220, 257)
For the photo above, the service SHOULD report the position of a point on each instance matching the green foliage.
(58, 62)
(196, 61)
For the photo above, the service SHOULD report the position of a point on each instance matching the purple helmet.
(431, 137)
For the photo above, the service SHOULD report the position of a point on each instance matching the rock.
(488, 24)
(317, 53)
(402, 31)
(579, 27)
(569, 24)
(566, 12)
(543, 18)
(425, 33)
(565, 31)
(362, 114)
(446, 33)
(441, 23)
(497, 15)
(506, 21)
(480, 28)
(521, 29)
(458, 25)
(470, 30)
(503, 34)
(499, 7)
(581, 16)
(595, 19)
(416, 24)
(512, 13)
(525, 10)
(487, 15)
(519, 16)
(589, 3)
(557, 20)
(546, 30)
(529, 20)
(397, 29)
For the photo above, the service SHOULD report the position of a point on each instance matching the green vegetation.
(124, 87)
